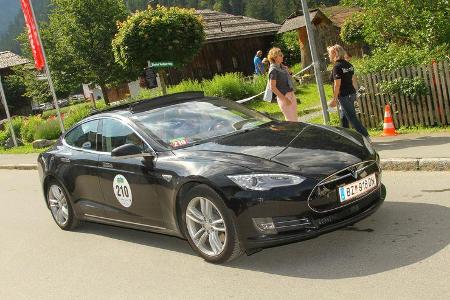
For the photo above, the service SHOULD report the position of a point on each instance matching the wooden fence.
(430, 110)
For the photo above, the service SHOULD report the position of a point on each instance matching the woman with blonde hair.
(282, 85)
(344, 89)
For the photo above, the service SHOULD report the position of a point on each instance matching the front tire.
(60, 207)
(208, 225)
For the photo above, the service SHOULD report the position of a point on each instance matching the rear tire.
(209, 226)
(60, 206)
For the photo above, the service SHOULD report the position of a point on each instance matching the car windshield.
(186, 123)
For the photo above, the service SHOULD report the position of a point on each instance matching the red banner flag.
(36, 48)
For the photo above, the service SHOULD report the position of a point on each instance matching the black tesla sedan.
(226, 178)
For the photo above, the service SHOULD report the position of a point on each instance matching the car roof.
(128, 109)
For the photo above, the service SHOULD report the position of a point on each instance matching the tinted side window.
(115, 134)
(83, 136)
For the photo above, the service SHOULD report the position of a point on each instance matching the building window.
(235, 62)
(219, 66)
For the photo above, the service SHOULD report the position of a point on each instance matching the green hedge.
(3, 137)
(68, 109)
(33, 128)
(186, 86)
(29, 127)
(233, 86)
(393, 57)
(76, 115)
(48, 130)
(17, 123)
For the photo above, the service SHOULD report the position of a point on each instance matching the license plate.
(357, 188)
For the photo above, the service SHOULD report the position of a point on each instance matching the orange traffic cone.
(388, 126)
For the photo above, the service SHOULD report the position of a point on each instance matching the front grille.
(324, 196)
(314, 221)
(350, 211)
(283, 224)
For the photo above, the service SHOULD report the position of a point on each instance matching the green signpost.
(161, 64)
(161, 73)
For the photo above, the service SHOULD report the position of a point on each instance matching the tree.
(25, 83)
(66, 77)
(419, 23)
(352, 30)
(79, 37)
(15, 90)
(262, 9)
(162, 34)
(288, 43)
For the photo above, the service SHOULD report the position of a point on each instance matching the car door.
(77, 166)
(129, 186)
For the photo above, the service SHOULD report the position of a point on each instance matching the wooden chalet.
(230, 46)
(327, 23)
(8, 60)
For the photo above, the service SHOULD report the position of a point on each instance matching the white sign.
(122, 190)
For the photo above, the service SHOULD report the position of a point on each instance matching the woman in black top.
(344, 88)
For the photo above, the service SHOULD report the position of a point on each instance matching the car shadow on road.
(396, 144)
(399, 234)
(145, 238)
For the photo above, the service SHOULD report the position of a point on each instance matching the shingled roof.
(295, 21)
(336, 14)
(222, 26)
(9, 59)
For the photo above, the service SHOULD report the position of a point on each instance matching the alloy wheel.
(206, 226)
(58, 205)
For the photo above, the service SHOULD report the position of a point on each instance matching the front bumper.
(321, 223)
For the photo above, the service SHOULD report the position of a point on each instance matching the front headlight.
(265, 182)
(368, 145)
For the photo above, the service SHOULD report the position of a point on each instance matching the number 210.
(122, 191)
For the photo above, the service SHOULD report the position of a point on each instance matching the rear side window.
(115, 134)
(83, 136)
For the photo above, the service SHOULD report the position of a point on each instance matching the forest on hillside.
(8, 9)
(271, 10)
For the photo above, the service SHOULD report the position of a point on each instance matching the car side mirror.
(129, 151)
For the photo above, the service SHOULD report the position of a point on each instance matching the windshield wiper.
(240, 124)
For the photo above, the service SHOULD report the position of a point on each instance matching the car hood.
(309, 149)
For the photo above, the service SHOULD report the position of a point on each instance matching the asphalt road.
(401, 252)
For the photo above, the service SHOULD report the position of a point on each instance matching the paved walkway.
(18, 159)
(435, 145)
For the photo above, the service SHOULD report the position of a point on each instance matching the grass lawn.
(307, 93)
(334, 119)
(27, 148)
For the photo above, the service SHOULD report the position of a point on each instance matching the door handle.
(107, 165)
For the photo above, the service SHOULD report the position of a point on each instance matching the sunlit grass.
(334, 121)
(25, 149)
(306, 93)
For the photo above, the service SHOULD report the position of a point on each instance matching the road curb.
(390, 164)
(19, 167)
(416, 164)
